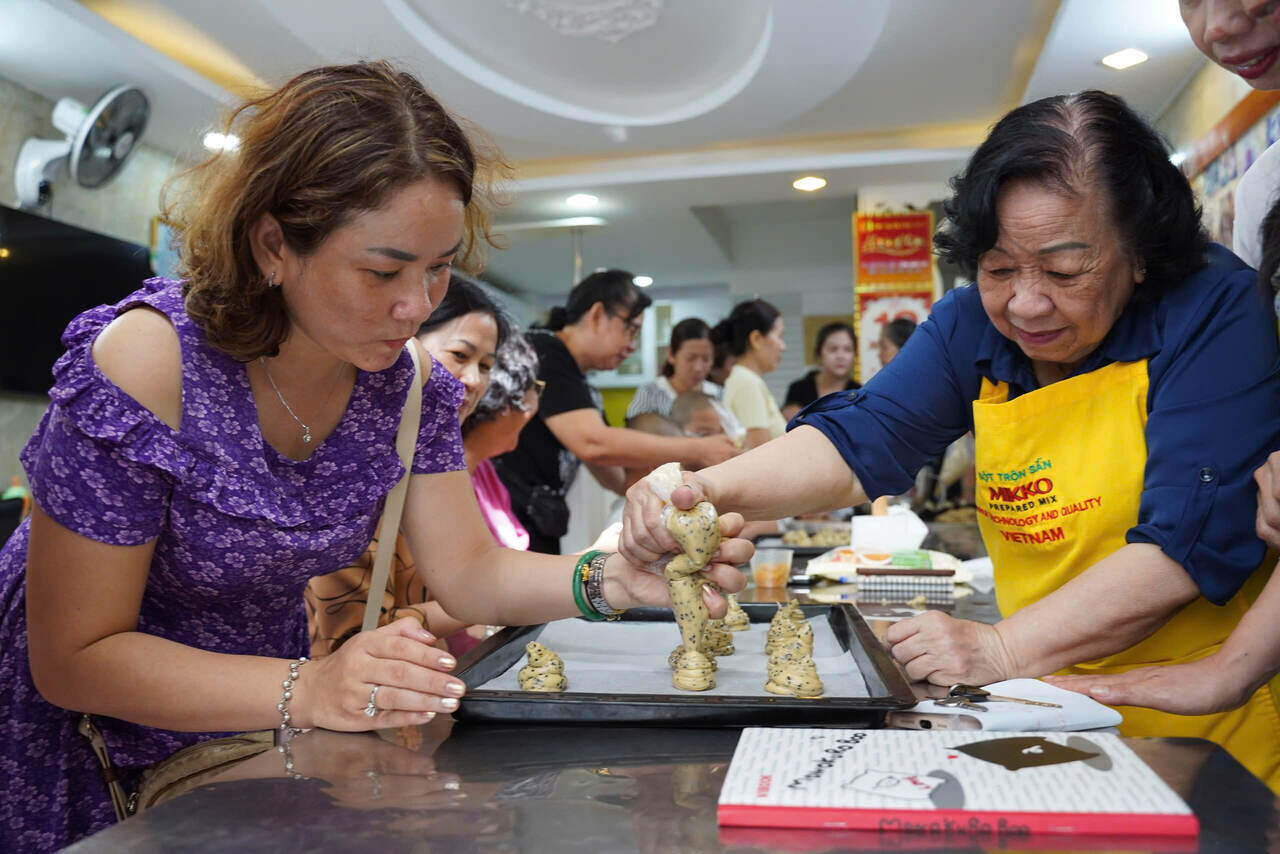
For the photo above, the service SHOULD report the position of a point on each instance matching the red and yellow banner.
(893, 259)
(893, 247)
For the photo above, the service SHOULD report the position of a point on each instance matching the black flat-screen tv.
(49, 273)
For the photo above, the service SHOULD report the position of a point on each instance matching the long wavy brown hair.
(330, 144)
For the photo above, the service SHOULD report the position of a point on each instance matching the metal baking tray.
(887, 685)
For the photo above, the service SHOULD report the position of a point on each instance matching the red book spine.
(960, 823)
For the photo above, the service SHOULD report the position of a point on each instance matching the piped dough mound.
(544, 672)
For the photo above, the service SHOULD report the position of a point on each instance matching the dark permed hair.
(615, 289)
(514, 373)
(464, 296)
(1069, 143)
(734, 331)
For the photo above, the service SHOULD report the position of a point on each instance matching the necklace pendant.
(306, 438)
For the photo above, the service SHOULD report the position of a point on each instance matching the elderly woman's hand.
(940, 649)
(641, 585)
(1268, 479)
(410, 674)
(645, 538)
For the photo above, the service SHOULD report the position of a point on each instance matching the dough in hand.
(544, 672)
(697, 530)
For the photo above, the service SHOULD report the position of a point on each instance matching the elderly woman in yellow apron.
(1120, 375)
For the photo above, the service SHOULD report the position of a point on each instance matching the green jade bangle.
(578, 582)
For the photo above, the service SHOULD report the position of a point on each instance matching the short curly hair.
(514, 372)
(1069, 143)
(331, 143)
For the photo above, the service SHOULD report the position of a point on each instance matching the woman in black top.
(834, 351)
(595, 330)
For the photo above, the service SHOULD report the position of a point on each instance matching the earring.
(271, 280)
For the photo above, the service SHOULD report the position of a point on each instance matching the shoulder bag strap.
(406, 442)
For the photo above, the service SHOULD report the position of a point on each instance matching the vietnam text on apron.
(1060, 478)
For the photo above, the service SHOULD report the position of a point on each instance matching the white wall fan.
(98, 141)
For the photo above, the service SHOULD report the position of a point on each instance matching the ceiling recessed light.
(1122, 59)
(809, 183)
(582, 200)
(643, 281)
(4, 251)
(215, 141)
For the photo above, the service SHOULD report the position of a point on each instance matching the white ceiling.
(701, 111)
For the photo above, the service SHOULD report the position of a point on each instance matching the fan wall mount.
(97, 142)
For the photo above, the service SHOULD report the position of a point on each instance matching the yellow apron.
(1060, 475)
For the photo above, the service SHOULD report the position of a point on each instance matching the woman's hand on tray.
(937, 648)
(411, 677)
(638, 584)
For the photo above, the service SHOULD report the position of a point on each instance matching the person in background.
(1243, 36)
(463, 334)
(722, 364)
(753, 332)
(596, 329)
(893, 337)
(493, 428)
(689, 359)
(697, 414)
(834, 349)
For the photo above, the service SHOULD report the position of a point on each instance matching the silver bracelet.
(595, 588)
(286, 694)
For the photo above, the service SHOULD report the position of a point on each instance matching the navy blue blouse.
(1213, 409)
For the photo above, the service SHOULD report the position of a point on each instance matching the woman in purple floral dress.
(214, 443)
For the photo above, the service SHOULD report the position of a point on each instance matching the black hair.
(735, 330)
(615, 289)
(899, 330)
(514, 373)
(830, 329)
(464, 296)
(1269, 233)
(1069, 144)
(689, 329)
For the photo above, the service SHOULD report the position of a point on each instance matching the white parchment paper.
(631, 658)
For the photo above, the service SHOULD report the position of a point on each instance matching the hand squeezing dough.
(698, 533)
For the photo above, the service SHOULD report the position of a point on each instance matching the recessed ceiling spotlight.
(215, 141)
(642, 281)
(1122, 59)
(582, 200)
(809, 183)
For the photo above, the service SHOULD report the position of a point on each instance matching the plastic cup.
(770, 568)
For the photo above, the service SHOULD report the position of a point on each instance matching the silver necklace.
(306, 431)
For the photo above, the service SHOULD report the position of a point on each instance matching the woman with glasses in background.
(595, 330)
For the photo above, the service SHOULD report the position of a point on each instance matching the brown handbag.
(192, 766)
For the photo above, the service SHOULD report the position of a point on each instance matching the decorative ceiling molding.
(607, 20)
(479, 72)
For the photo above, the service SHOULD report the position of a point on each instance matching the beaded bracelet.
(578, 581)
(286, 694)
(595, 588)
